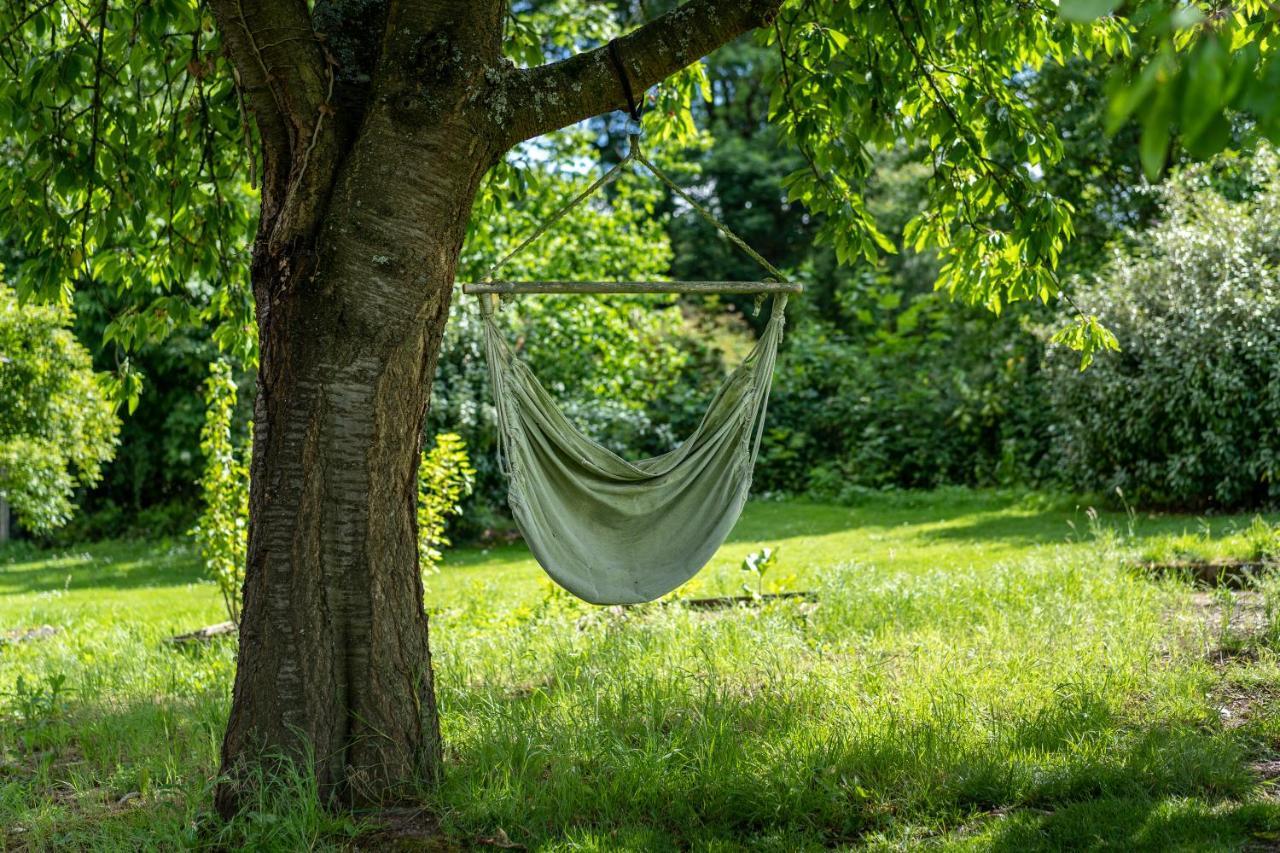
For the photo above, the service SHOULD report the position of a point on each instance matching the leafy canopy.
(129, 161)
(858, 76)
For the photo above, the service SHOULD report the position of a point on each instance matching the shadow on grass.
(871, 791)
(141, 779)
(107, 775)
(755, 767)
(672, 770)
(1065, 521)
(1156, 824)
(764, 520)
(105, 565)
(1043, 527)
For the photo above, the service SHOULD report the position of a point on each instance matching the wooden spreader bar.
(534, 287)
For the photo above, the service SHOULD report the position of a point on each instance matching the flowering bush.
(1186, 414)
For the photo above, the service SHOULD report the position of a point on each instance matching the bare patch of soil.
(1245, 618)
(1210, 574)
(404, 829)
(26, 635)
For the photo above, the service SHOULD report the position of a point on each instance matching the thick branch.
(283, 72)
(587, 84)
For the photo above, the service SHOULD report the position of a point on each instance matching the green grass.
(980, 671)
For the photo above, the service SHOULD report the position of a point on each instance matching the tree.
(57, 422)
(369, 128)
(375, 125)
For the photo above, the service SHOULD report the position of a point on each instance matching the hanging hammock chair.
(608, 530)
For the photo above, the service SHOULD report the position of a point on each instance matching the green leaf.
(1203, 93)
(1211, 139)
(1084, 11)
(1157, 129)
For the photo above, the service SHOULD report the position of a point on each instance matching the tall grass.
(897, 701)
(1051, 701)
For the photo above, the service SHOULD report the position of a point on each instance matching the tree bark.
(335, 669)
(375, 139)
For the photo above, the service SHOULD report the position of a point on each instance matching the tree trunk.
(374, 137)
(334, 668)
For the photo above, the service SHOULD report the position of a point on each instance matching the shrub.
(445, 477)
(57, 423)
(222, 531)
(1186, 414)
(949, 397)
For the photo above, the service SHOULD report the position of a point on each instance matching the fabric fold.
(613, 531)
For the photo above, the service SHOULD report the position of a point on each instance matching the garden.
(639, 426)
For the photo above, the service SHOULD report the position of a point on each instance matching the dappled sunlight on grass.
(921, 700)
(974, 671)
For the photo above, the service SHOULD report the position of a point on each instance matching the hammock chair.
(608, 530)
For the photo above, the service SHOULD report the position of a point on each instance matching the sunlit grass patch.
(973, 672)
(926, 700)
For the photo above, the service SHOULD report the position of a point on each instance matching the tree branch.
(561, 93)
(282, 70)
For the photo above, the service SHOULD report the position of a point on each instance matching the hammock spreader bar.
(548, 287)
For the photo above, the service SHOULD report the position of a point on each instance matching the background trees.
(927, 392)
(1186, 414)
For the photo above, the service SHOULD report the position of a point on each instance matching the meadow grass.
(978, 671)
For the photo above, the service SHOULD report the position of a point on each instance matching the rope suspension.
(487, 286)
(610, 530)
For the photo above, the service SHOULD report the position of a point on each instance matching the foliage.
(1185, 415)
(158, 461)
(445, 477)
(946, 77)
(758, 563)
(57, 424)
(1263, 538)
(932, 395)
(222, 533)
(784, 726)
(1192, 70)
(998, 232)
(134, 173)
(138, 161)
(102, 518)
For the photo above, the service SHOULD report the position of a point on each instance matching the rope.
(710, 217)
(607, 178)
(604, 179)
(634, 154)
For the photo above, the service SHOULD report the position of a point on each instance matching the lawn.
(978, 671)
